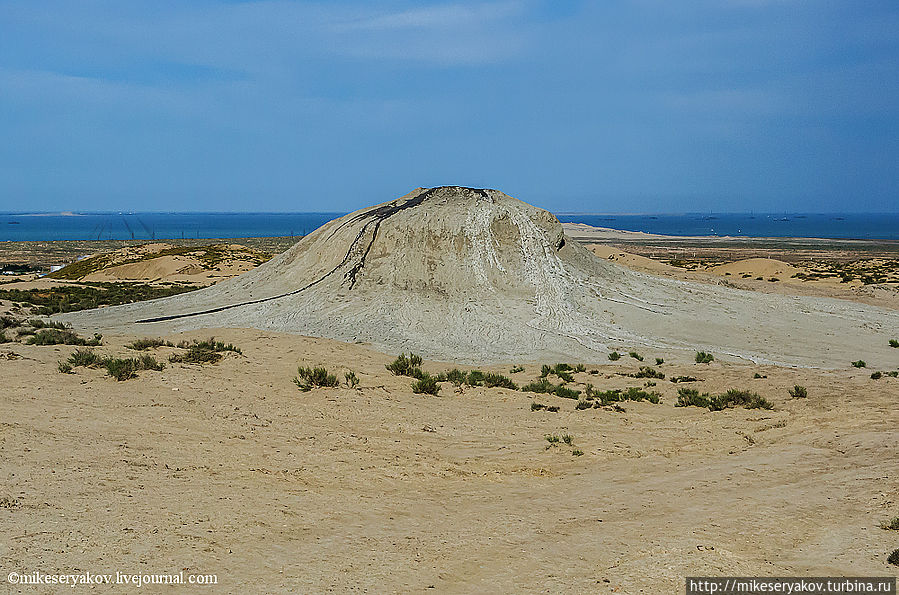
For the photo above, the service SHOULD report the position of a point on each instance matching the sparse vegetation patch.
(648, 372)
(202, 352)
(703, 357)
(55, 336)
(426, 384)
(72, 298)
(309, 378)
(689, 397)
(406, 366)
(677, 379)
(798, 392)
(892, 525)
(147, 343)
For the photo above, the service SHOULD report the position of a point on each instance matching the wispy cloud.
(445, 16)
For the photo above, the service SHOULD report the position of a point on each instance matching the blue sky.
(611, 106)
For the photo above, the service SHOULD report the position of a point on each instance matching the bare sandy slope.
(475, 275)
(229, 469)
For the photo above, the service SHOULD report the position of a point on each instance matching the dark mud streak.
(377, 214)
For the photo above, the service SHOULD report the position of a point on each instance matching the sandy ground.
(230, 469)
(785, 266)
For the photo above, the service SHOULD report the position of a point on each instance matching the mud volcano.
(473, 275)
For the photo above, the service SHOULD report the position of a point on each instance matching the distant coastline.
(162, 226)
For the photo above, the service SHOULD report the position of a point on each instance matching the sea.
(161, 226)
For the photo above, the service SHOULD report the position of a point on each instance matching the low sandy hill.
(634, 261)
(165, 263)
(758, 267)
(474, 275)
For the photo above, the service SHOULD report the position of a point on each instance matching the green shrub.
(498, 380)
(202, 352)
(594, 371)
(4, 338)
(798, 392)
(541, 386)
(876, 375)
(859, 364)
(552, 439)
(196, 355)
(121, 369)
(65, 367)
(55, 336)
(614, 356)
(553, 409)
(647, 372)
(690, 397)
(426, 384)
(894, 558)
(37, 323)
(563, 371)
(583, 405)
(894, 343)
(636, 394)
(516, 369)
(210, 344)
(148, 362)
(84, 358)
(535, 406)
(704, 358)
(405, 366)
(127, 368)
(631, 394)
(146, 343)
(456, 376)
(564, 375)
(738, 398)
(568, 439)
(577, 452)
(659, 361)
(566, 393)
(309, 378)
(352, 381)
(636, 356)
(475, 378)
(580, 368)
(892, 525)
(893, 373)
(676, 379)
(757, 375)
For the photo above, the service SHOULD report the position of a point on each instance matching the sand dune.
(758, 267)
